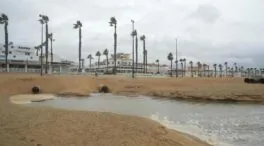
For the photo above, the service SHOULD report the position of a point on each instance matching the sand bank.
(27, 98)
(21, 125)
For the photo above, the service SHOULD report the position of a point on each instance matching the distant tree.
(78, 25)
(143, 39)
(113, 22)
(181, 61)
(98, 54)
(215, 65)
(191, 64)
(236, 68)
(232, 71)
(184, 62)
(204, 69)
(176, 68)
(226, 66)
(4, 20)
(170, 58)
(220, 69)
(106, 55)
(158, 65)
(90, 57)
(199, 65)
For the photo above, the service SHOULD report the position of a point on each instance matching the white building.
(123, 65)
(25, 59)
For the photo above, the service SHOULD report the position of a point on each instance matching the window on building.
(113, 63)
(14, 56)
(31, 57)
(3, 52)
(27, 53)
(118, 62)
(10, 52)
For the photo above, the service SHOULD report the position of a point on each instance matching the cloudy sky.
(210, 31)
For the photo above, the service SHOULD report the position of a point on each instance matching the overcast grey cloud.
(211, 31)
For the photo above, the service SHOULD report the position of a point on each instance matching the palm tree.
(191, 63)
(176, 68)
(220, 69)
(204, 68)
(226, 66)
(41, 47)
(106, 55)
(4, 20)
(113, 22)
(232, 71)
(51, 49)
(98, 54)
(90, 57)
(158, 65)
(46, 20)
(241, 69)
(215, 65)
(134, 34)
(184, 61)
(170, 58)
(198, 67)
(78, 25)
(235, 64)
(143, 39)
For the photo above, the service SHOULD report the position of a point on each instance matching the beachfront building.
(124, 65)
(24, 59)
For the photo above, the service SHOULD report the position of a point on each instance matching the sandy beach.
(22, 125)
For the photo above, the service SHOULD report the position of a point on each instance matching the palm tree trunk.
(144, 56)
(80, 46)
(146, 62)
(136, 54)
(51, 54)
(98, 63)
(115, 43)
(6, 45)
(90, 64)
(158, 67)
(184, 68)
(192, 71)
(107, 63)
(133, 59)
(41, 52)
(171, 68)
(226, 71)
(46, 49)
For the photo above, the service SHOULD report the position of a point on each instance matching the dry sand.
(21, 125)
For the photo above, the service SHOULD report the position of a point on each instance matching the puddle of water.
(216, 123)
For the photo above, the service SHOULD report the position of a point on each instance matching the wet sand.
(21, 125)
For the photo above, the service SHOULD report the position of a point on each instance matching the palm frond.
(143, 37)
(75, 26)
(4, 17)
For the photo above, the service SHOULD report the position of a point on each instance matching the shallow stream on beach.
(220, 124)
